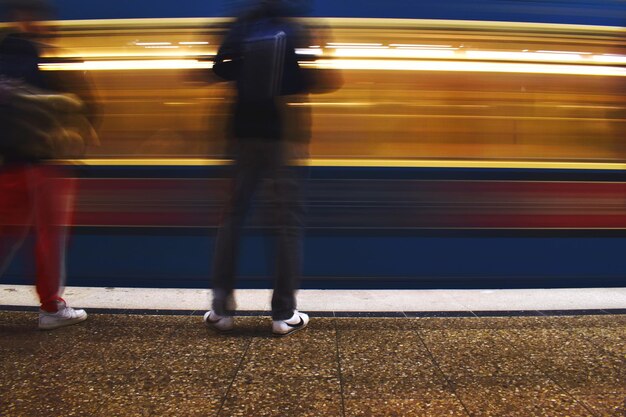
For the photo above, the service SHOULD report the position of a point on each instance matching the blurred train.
(456, 154)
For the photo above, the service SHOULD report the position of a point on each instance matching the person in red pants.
(33, 195)
(36, 196)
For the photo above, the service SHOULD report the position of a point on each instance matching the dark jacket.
(262, 119)
(37, 120)
(19, 59)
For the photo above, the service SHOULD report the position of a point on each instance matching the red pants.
(36, 196)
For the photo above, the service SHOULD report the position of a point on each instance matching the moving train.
(472, 147)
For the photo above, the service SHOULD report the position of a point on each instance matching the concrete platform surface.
(336, 300)
(171, 365)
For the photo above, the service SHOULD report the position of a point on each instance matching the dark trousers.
(256, 160)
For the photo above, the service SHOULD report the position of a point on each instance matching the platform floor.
(340, 301)
(171, 365)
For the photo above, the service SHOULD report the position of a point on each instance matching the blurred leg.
(288, 211)
(16, 211)
(246, 178)
(54, 202)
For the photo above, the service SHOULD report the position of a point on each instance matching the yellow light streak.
(144, 162)
(365, 163)
(364, 55)
(502, 164)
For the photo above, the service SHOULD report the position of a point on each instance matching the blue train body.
(338, 256)
(372, 256)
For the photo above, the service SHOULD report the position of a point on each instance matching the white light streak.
(418, 45)
(523, 56)
(350, 64)
(353, 44)
(142, 53)
(152, 43)
(425, 48)
(591, 107)
(610, 59)
(309, 51)
(394, 53)
(364, 48)
(147, 64)
(331, 104)
(459, 66)
(564, 52)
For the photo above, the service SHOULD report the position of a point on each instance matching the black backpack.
(269, 65)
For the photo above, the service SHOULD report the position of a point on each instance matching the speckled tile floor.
(142, 365)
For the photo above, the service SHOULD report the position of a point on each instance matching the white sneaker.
(220, 323)
(284, 327)
(65, 316)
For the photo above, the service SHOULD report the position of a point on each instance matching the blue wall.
(598, 12)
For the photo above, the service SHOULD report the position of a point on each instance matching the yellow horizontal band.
(365, 163)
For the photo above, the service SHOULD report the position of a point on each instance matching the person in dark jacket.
(33, 192)
(259, 55)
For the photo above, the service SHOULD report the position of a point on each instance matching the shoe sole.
(297, 329)
(63, 323)
(212, 326)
